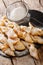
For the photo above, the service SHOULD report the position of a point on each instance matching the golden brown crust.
(11, 35)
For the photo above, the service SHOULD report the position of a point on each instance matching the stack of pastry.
(15, 37)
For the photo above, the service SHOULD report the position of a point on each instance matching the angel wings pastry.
(15, 37)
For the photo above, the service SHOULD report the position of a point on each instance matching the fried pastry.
(33, 51)
(9, 52)
(10, 33)
(15, 37)
(37, 39)
(35, 31)
(12, 42)
(19, 46)
(3, 39)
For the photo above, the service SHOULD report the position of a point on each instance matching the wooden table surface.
(26, 60)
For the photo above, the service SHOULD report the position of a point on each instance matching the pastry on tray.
(14, 37)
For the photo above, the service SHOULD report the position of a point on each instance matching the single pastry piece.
(3, 39)
(37, 39)
(10, 33)
(26, 44)
(33, 51)
(28, 38)
(9, 52)
(26, 29)
(35, 31)
(19, 46)
(5, 48)
(3, 29)
(1, 46)
(12, 42)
